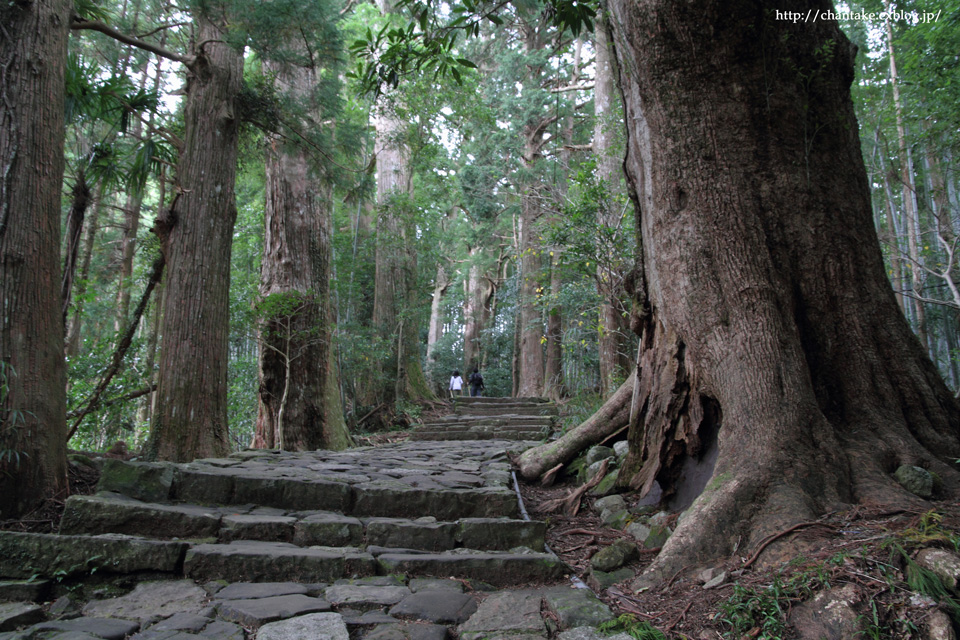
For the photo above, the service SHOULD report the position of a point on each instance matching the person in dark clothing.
(476, 383)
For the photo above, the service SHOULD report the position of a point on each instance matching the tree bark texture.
(297, 259)
(33, 50)
(477, 297)
(763, 305)
(196, 232)
(611, 341)
(553, 384)
(530, 373)
(91, 225)
(394, 299)
(435, 329)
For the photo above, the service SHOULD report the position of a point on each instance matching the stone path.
(492, 418)
(418, 540)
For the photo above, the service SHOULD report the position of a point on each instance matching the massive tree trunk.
(298, 377)
(196, 234)
(33, 50)
(765, 313)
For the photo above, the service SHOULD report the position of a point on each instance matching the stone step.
(427, 479)
(495, 400)
(115, 513)
(29, 555)
(481, 433)
(507, 411)
(467, 421)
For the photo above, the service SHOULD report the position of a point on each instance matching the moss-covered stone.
(147, 481)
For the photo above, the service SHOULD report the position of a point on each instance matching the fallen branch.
(122, 346)
(571, 504)
(549, 477)
(609, 418)
(370, 413)
(133, 395)
(680, 617)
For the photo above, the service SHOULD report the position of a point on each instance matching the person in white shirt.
(456, 384)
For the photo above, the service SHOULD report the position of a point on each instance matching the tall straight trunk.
(892, 238)
(471, 313)
(553, 383)
(298, 375)
(196, 232)
(33, 53)
(74, 323)
(909, 193)
(613, 360)
(395, 303)
(478, 294)
(435, 328)
(131, 217)
(530, 359)
(80, 200)
(767, 323)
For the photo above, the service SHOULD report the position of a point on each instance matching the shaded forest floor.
(869, 549)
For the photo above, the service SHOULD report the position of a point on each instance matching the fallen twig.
(680, 617)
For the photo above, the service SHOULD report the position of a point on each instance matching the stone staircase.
(409, 541)
(424, 509)
(523, 419)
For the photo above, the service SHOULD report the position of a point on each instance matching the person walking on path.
(456, 384)
(476, 383)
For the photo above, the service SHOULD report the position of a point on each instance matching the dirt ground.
(857, 547)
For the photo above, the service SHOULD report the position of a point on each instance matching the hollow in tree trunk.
(765, 313)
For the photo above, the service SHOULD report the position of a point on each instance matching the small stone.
(151, 601)
(407, 631)
(365, 597)
(254, 590)
(598, 454)
(64, 607)
(608, 485)
(657, 538)
(939, 627)
(221, 630)
(621, 448)
(107, 628)
(706, 575)
(638, 531)
(251, 613)
(441, 607)
(941, 562)
(353, 618)
(329, 626)
(182, 622)
(435, 584)
(506, 613)
(614, 556)
(576, 607)
(716, 581)
(610, 503)
(600, 580)
(916, 480)
(615, 519)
